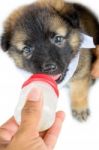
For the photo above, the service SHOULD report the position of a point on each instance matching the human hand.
(26, 136)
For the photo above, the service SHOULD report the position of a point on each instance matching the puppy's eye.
(27, 51)
(59, 39)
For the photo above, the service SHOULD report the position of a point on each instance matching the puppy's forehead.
(43, 20)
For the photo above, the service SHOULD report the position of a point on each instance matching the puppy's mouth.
(58, 78)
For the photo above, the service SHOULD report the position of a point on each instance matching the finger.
(10, 125)
(31, 112)
(42, 134)
(5, 136)
(53, 133)
(7, 130)
(3, 147)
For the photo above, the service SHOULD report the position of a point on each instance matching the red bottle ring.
(45, 78)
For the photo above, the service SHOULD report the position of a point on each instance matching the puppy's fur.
(31, 35)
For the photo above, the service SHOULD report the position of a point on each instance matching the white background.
(74, 135)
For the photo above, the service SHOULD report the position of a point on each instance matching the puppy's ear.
(72, 17)
(5, 41)
(67, 11)
(56, 4)
(9, 26)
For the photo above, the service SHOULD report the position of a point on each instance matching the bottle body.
(49, 103)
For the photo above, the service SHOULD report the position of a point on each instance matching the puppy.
(45, 36)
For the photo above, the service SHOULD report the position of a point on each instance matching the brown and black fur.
(35, 26)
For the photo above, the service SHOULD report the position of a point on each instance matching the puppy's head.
(43, 37)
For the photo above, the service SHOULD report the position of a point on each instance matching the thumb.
(31, 112)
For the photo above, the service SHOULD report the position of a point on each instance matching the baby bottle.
(50, 98)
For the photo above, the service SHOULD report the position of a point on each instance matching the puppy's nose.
(49, 67)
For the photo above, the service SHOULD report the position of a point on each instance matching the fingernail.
(35, 94)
